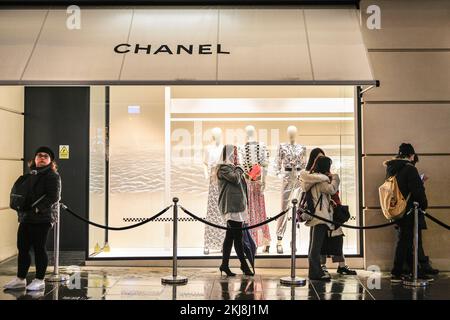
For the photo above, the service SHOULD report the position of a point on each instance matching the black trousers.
(32, 235)
(233, 237)
(403, 259)
(317, 237)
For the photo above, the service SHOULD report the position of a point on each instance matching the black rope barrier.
(114, 228)
(226, 228)
(356, 227)
(435, 220)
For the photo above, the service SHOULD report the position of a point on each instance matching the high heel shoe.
(227, 271)
(246, 270)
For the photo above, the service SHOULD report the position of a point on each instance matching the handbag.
(255, 172)
(341, 213)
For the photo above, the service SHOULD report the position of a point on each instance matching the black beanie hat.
(406, 149)
(46, 150)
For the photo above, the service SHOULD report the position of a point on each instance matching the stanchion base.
(174, 280)
(410, 282)
(289, 281)
(57, 278)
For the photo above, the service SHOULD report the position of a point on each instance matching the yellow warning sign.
(63, 152)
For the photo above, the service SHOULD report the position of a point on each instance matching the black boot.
(246, 270)
(426, 268)
(227, 271)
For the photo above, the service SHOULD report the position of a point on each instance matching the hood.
(395, 165)
(308, 180)
(228, 154)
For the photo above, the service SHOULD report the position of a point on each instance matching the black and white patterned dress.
(213, 237)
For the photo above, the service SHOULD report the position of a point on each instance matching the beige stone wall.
(11, 153)
(410, 55)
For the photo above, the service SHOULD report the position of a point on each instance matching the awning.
(184, 45)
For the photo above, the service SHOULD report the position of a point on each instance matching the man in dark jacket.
(44, 189)
(410, 184)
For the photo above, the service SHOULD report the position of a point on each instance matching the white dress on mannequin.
(214, 237)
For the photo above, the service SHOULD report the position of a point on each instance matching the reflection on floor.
(190, 252)
(140, 283)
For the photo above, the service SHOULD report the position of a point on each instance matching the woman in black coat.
(36, 221)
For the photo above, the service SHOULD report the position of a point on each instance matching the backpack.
(392, 202)
(307, 204)
(20, 196)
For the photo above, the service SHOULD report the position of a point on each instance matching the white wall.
(11, 153)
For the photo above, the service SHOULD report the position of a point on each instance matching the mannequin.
(213, 238)
(251, 154)
(291, 158)
(214, 150)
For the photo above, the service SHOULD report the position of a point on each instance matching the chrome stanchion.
(56, 277)
(293, 280)
(175, 278)
(413, 281)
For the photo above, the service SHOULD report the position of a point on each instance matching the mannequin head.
(217, 135)
(292, 133)
(251, 133)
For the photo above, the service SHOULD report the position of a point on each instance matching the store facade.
(162, 80)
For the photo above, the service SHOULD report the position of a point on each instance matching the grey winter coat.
(232, 189)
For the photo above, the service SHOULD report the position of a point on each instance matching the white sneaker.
(16, 283)
(36, 285)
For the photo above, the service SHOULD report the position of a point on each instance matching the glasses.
(42, 155)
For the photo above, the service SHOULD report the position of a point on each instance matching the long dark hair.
(322, 165)
(312, 157)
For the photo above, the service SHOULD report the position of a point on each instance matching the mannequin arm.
(278, 161)
(205, 170)
(303, 158)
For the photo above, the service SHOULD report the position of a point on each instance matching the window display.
(170, 148)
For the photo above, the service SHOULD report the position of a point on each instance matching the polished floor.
(144, 283)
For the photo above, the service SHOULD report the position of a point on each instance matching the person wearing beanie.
(46, 150)
(412, 188)
(37, 218)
